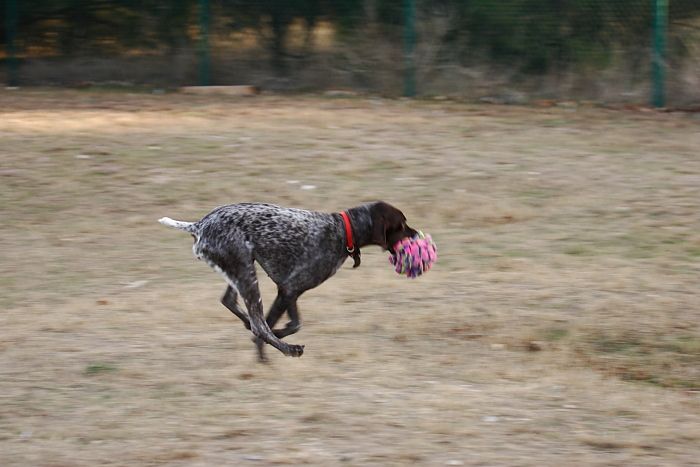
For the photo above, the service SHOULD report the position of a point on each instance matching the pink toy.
(414, 256)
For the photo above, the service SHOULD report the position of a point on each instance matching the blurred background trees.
(353, 38)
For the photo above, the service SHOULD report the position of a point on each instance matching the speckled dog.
(298, 249)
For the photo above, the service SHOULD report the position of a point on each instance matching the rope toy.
(414, 256)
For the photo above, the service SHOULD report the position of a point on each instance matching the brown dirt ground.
(560, 325)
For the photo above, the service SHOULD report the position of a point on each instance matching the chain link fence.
(510, 51)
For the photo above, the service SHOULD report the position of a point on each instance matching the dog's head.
(388, 225)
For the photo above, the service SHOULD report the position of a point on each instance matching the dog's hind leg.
(229, 300)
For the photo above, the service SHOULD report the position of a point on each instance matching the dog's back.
(282, 240)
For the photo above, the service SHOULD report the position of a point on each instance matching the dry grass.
(567, 281)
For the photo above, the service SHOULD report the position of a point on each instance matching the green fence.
(511, 51)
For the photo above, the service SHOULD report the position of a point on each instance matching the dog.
(297, 249)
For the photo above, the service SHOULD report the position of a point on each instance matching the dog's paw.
(294, 351)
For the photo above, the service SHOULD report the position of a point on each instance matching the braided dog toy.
(414, 256)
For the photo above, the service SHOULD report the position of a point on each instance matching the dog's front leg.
(283, 302)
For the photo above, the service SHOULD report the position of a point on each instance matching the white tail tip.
(186, 226)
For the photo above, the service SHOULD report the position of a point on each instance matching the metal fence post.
(11, 33)
(204, 59)
(409, 43)
(658, 55)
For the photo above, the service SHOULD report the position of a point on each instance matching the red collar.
(349, 244)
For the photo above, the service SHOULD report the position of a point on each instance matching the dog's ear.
(378, 213)
(385, 219)
(379, 232)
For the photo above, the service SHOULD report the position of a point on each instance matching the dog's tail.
(190, 227)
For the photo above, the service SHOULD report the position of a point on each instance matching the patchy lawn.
(562, 320)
